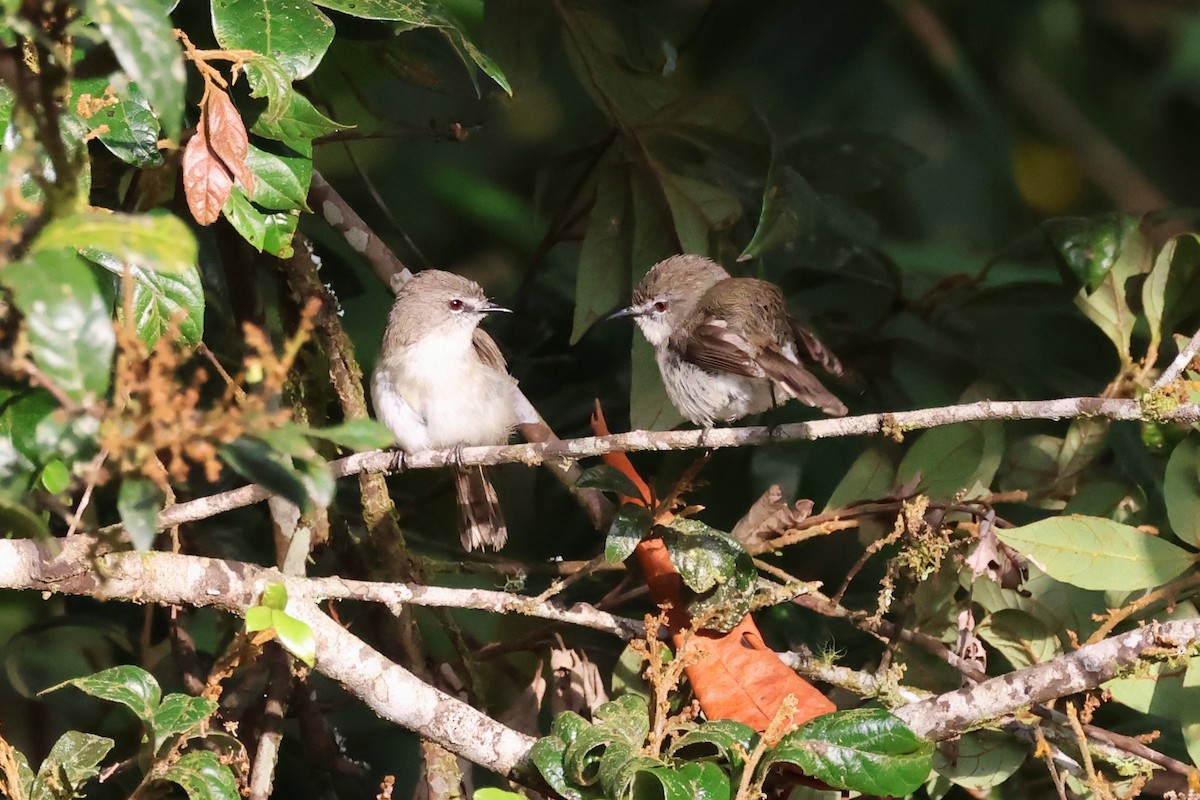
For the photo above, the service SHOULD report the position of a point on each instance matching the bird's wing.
(816, 349)
(488, 351)
(715, 346)
(408, 426)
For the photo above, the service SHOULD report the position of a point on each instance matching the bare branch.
(895, 423)
(1176, 368)
(951, 713)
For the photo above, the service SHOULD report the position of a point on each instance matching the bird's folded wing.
(714, 346)
(816, 350)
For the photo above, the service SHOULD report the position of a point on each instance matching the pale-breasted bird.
(726, 347)
(441, 382)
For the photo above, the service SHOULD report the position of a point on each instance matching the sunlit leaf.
(203, 777)
(296, 35)
(1095, 553)
(72, 761)
(132, 687)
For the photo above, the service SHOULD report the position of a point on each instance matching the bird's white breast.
(460, 400)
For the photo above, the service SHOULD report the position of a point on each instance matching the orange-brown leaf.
(736, 676)
(227, 136)
(207, 184)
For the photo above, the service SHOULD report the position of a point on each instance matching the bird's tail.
(482, 523)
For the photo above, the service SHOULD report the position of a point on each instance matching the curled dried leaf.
(227, 136)
(207, 183)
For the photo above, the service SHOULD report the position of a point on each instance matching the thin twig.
(1180, 363)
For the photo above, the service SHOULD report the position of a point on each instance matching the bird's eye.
(456, 304)
(660, 306)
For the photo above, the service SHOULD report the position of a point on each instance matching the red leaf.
(207, 184)
(227, 136)
(735, 675)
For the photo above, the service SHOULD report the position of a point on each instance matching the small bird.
(726, 347)
(441, 382)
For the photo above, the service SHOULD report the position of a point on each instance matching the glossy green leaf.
(630, 525)
(789, 210)
(724, 741)
(270, 81)
(1189, 713)
(703, 781)
(67, 319)
(179, 714)
(259, 618)
(1181, 489)
(981, 760)
(608, 478)
(295, 636)
(1095, 553)
(246, 219)
(716, 567)
(143, 39)
(357, 434)
(161, 255)
(296, 35)
(132, 687)
(953, 457)
(866, 750)
(254, 460)
(56, 477)
(139, 502)
(1020, 637)
(203, 777)
(619, 766)
(496, 793)
(280, 179)
(131, 130)
(297, 124)
(1103, 253)
(72, 761)
(547, 756)
(424, 14)
(1181, 296)
(275, 596)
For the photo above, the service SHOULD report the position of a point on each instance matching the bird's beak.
(629, 311)
(490, 307)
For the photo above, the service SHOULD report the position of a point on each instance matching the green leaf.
(725, 741)
(871, 476)
(275, 596)
(715, 566)
(424, 14)
(139, 502)
(271, 232)
(608, 478)
(865, 750)
(128, 685)
(259, 618)
(178, 714)
(73, 761)
(280, 180)
(295, 636)
(1020, 637)
(1181, 489)
(297, 124)
(269, 80)
(254, 460)
(981, 760)
(356, 434)
(704, 781)
(699, 210)
(496, 793)
(1095, 553)
(619, 766)
(203, 777)
(296, 35)
(133, 130)
(1181, 297)
(161, 255)
(67, 320)
(1189, 716)
(56, 477)
(1103, 253)
(789, 210)
(1154, 291)
(547, 755)
(141, 36)
(954, 457)
(630, 525)
(605, 251)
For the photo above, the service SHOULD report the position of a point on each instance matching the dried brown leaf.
(207, 183)
(769, 518)
(227, 137)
